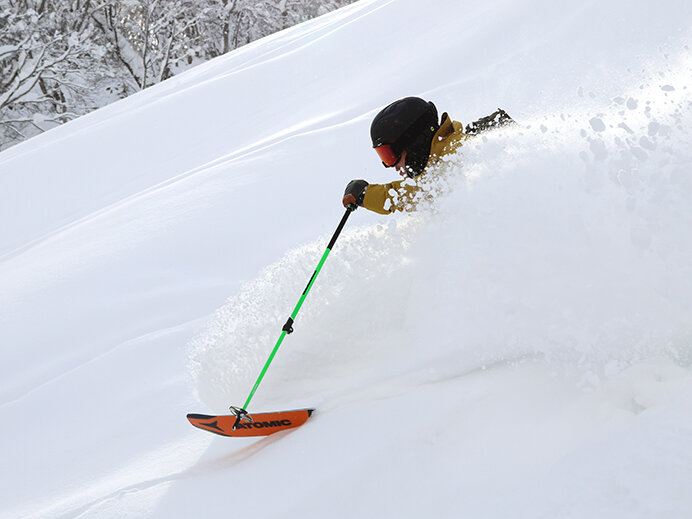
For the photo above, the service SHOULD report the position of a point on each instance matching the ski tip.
(195, 416)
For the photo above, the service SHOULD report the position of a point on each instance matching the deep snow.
(519, 348)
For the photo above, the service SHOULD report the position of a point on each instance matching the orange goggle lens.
(387, 155)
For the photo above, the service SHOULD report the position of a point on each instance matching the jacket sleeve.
(399, 195)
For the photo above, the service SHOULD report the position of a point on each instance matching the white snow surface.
(520, 347)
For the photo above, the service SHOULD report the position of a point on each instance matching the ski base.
(262, 424)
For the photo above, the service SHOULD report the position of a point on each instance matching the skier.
(407, 136)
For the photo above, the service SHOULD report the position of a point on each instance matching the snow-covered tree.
(49, 57)
(63, 58)
(241, 21)
(152, 39)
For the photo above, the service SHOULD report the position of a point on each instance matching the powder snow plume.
(565, 238)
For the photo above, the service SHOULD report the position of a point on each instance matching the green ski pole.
(241, 413)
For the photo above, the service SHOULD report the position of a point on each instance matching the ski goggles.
(387, 155)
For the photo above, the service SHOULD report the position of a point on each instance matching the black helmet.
(406, 125)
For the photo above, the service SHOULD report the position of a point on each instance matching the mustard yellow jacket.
(399, 195)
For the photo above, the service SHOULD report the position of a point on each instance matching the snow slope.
(519, 348)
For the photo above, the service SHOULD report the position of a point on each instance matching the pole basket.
(241, 416)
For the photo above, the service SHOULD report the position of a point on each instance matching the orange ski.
(262, 424)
